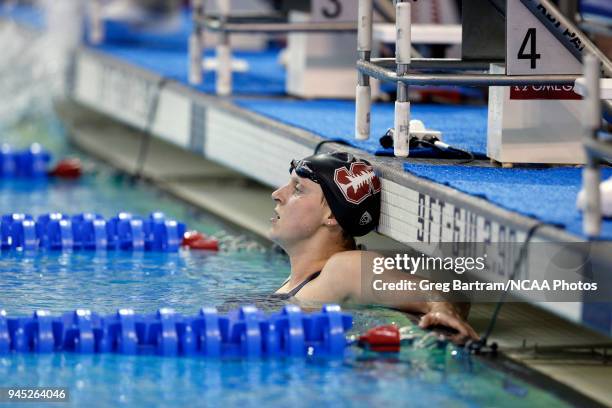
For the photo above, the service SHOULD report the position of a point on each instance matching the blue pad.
(264, 77)
(464, 127)
(175, 38)
(601, 9)
(546, 194)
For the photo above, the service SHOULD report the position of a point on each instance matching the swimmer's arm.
(345, 274)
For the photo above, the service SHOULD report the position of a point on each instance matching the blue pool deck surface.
(464, 127)
(265, 76)
(547, 194)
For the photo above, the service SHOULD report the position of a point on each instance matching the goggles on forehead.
(302, 170)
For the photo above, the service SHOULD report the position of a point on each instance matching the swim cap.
(349, 185)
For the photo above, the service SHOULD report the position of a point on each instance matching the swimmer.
(330, 199)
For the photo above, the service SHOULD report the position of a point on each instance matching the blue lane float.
(32, 162)
(246, 332)
(88, 231)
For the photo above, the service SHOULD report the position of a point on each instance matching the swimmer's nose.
(276, 195)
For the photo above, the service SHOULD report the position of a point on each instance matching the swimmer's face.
(300, 211)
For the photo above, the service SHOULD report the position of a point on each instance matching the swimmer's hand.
(444, 314)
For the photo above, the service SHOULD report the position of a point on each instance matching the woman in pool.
(330, 199)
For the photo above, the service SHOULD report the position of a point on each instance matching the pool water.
(422, 375)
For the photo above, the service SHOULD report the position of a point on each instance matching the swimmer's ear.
(331, 221)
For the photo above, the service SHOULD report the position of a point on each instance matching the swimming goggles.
(302, 170)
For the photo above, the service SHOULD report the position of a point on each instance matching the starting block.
(534, 123)
(322, 65)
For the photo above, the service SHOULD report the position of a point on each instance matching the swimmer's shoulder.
(343, 270)
(350, 261)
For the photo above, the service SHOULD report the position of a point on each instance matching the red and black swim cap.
(349, 185)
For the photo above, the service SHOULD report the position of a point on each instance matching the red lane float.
(191, 237)
(382, 338)
(69, 168)
(197, 240)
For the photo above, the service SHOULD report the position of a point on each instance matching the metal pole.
(363, 92)
(383, 74)
(403, 47)
(445, 64)
(224, 53)
(196, 43)
(274, 28)
(96, 29)
(591, 175)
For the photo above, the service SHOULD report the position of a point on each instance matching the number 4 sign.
(532, 56)
(531, 48)
(538, 123)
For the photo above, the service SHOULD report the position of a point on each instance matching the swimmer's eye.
(297, 189)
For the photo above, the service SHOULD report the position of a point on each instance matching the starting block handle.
(403, 48)
(363, 107)
(403, 29)
(591, 122)
(401, 136)
(592, 102)
(96, 22)
(364, 26)
(195, 58)
(196, 43)
(224, 65)
(224, 53)
(363, 93)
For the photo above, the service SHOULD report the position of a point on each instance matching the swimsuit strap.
(299, 287)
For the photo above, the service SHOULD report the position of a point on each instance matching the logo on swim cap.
(357, 183)
(366, 218)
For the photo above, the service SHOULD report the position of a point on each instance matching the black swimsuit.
(299, 287)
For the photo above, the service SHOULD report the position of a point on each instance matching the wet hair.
(348, 241)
